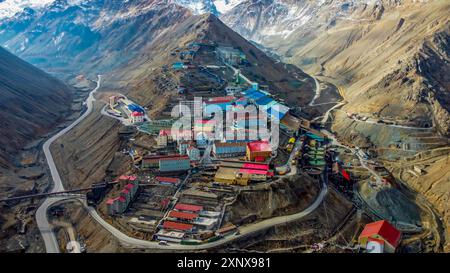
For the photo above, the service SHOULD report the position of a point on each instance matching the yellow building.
(231, 176)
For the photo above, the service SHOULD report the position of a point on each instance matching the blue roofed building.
(135, 108)
(265, 102)
(277, 111)
(254, 95)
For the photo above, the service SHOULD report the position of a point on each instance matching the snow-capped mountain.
(199, 6)
(216, 7)
(9, 8)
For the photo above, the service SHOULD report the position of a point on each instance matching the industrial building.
(253, 95)
(169, 225)
(225, 103)
(166, 163)
(188, 208)
(182, 216)
(174, 163)
(383, 233)
(229, 149)
(170, 236)
(241, 173)
(168, 180)
(258, 151)
(205, 223)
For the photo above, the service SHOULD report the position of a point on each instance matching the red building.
(167, 180)
(258, 151)
(188, 208)
(184, 216)
(178, 226)
(381, 231)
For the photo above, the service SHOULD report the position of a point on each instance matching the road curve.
(243, 231)
(317, 93)
(51, 243)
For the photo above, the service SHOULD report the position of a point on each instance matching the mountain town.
(224, 126)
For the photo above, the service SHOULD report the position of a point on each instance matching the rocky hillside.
(140, 76)
(392, 57)
(31, 104)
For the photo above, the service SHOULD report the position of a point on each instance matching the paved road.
(51, 243)
(244, 230)
(317, 93)
(327, 114)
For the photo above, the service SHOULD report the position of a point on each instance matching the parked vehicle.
(163, 243)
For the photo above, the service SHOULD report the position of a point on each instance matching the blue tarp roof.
(135, 108)
(264, 101)
(278, 111)
(254, 95)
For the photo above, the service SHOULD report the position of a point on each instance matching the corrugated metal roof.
(264, 101)
(254, 95)
(384, 229)
(188, 207)
(182, 215)
(182, 157)
(167, 179)
(177, 226)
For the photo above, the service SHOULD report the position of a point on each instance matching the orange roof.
(182, 215)
(177, 226)
(384, 229)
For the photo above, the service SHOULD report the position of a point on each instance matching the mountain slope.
(31, 103)
(392, 57)
(140, 75)
(93, 35)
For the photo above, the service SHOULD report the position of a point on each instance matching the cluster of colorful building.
(242, 172)
(184, 221)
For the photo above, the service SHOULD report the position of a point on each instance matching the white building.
(205, 223)
(162, 139)
(170, 236)
(137, 117)
(232, 90)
